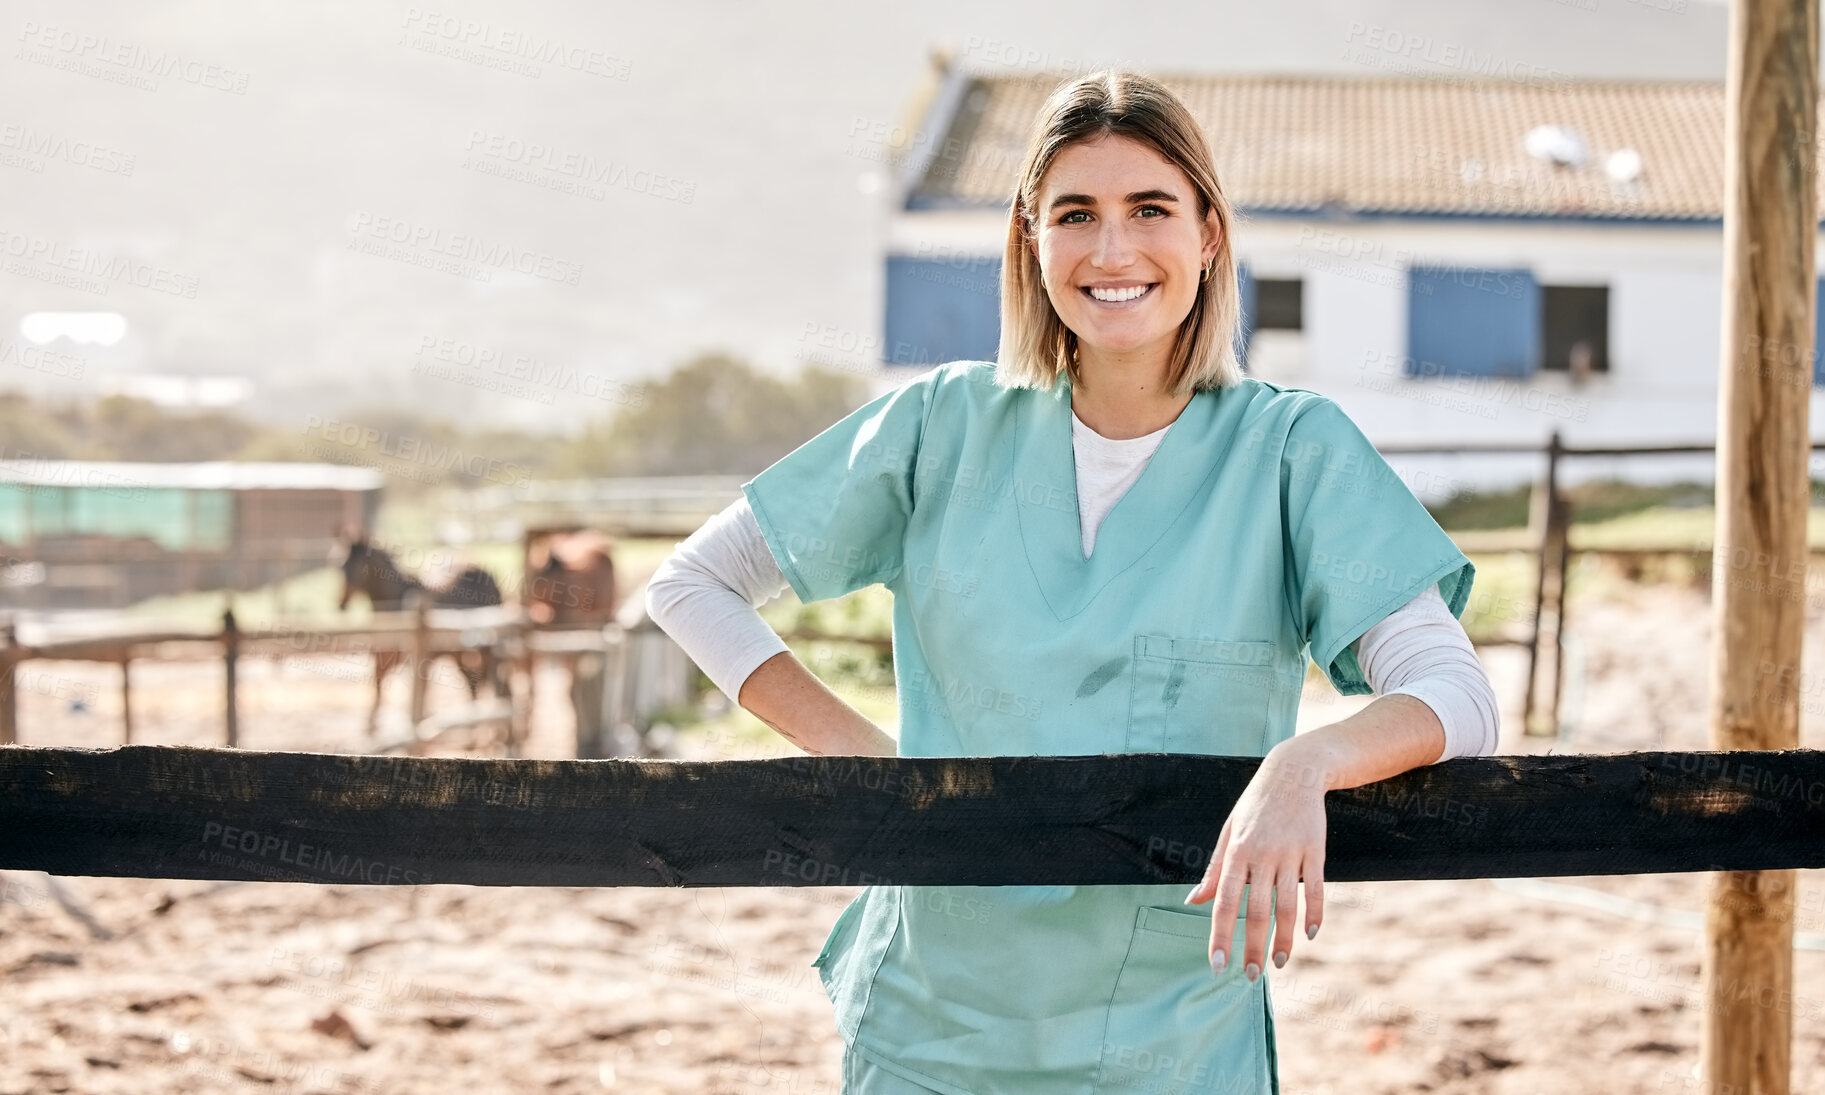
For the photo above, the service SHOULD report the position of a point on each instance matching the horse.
(570, 584)
(570, 578)
(369, 569)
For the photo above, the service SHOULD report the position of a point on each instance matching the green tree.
(136, 429)
(28, 431)
(715, 415)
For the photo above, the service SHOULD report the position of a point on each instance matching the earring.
(1207, 271)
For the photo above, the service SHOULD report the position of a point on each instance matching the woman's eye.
(1066, 219)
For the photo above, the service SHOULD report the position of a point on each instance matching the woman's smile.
(1123, 297)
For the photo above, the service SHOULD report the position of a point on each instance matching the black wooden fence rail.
(180, 812)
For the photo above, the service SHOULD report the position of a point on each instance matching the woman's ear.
(1213, 235)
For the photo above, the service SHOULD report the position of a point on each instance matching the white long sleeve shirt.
(705, 595)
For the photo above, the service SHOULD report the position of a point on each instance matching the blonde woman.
(1107, 541)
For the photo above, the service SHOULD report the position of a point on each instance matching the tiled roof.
(1390, 146)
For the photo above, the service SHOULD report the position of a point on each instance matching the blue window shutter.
(1245, 330)
(1469, 321)
(941, 310)
(1818, 333)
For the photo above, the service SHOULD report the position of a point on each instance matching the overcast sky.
(234, 177)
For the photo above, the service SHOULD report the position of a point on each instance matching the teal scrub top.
(1264, 529)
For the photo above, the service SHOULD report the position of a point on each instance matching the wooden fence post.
(9, 690)
(420, 605)
(1562, 526)
(587, 676)
(126, 700)
(1549, 517)
(231, 652)
(1765, 374)
(615, 691)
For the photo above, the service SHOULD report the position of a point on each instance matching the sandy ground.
(1449, 987)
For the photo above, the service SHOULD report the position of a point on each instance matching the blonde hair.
(1035, 343)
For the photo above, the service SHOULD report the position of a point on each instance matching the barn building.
(1453, 259)
(77, 534)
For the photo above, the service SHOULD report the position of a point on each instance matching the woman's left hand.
(1272, 839)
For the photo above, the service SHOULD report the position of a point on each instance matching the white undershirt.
(706, 593)
(1106, 468)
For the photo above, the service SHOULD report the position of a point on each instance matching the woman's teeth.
(1115, 296)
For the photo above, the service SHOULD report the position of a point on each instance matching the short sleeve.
(1359, 545)
(834, 511)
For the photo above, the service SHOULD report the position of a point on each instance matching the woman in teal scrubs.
(1264, 529)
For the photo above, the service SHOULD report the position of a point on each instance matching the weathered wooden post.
(1550, 514)
(9, 688)
(615, 690)
(126, 699)
(1562, 559)
(1758, 573)
(231, 653)
(420, 605)
(587, 691)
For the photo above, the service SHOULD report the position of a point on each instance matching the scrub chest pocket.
(1200, 695)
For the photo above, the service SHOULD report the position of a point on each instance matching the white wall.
(1665, 327)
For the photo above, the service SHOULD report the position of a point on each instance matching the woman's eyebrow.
(1137, 196)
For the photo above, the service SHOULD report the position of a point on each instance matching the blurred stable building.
(1452, 259)
(103, 535)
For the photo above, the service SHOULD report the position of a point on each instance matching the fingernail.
(1217, 961)
(1253, 971)
(1311, 931)
(1279, 960)
(1188, 896)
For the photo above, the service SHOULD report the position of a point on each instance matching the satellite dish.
(1623, 165)
(1555, 144)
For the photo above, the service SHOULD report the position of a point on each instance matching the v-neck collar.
(1052, 532)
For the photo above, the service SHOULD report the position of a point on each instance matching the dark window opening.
(1575, 324)
(1278, 305)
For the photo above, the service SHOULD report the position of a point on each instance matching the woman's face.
(1117, 219)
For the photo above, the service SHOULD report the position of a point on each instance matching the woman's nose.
(1113, 248)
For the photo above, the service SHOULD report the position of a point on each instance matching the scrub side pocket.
(1175, 1026)
(853, 953)
(1199, 695)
